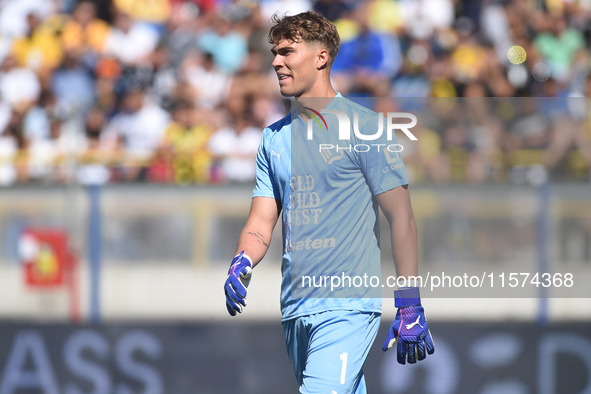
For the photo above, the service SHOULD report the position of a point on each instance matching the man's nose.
(277, 61)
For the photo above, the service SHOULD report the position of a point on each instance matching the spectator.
(212, 85)
(203, 6)
(460, 160)
(105, 94)
(214, 62)
(369, 61)
(180, 36)
(281, 7)
(228, 47)
(156, 76)
(524, 144)
(138, 130)
(185, 145)
(568, 142)
(5, 114)
(129, 41)
(5, 47)
(155, 11)
(558, 45)
(84, 31)
(95, 156)
(235, 149)
(94, 124)
(423, 18)
(468, 57)
(257, 42)
(13, 144)
(39, 49)
(18, 86)
(73, 84)
(386, 16)
(331, 9)
(495, 28)
(492, 78)
(47, 156)
(37, 120)
(13, 18)
(413, 80)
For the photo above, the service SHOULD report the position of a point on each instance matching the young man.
(329, 202)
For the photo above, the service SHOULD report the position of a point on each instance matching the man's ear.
(322, 59)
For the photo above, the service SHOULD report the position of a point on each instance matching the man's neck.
(316, 99)
(321, 88)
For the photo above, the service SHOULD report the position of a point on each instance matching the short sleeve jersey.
(330, 211)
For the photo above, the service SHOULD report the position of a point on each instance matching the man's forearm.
(255, 242)
(404, 246)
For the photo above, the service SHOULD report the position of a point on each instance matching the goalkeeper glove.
(237, 282)
(409, 327)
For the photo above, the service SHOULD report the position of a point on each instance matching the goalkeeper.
(329, 207)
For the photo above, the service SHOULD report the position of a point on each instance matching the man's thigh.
(328, 350)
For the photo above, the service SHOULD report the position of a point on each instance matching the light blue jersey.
(330, 213)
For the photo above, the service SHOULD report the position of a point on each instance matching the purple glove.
(237, 282)
(409, 327)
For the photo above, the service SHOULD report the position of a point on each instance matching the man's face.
(85, 12)
(296, 66)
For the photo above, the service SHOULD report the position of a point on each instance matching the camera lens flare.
(516, 54)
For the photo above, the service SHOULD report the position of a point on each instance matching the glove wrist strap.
(245, 256)
(407, 296)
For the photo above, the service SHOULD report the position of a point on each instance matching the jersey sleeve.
(382, 165)
(264, 186)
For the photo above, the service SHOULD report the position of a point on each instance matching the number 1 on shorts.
(343, 367)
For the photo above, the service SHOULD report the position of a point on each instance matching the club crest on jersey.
(329, 156)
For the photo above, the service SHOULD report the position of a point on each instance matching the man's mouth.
(283, 77)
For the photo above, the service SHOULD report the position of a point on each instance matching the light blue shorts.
(328, 349)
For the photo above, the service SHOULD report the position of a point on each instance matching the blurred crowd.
(178, 91)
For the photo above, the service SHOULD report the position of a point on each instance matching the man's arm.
(410, 327)
(395, 204)
(252, 246)
(255, 238)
